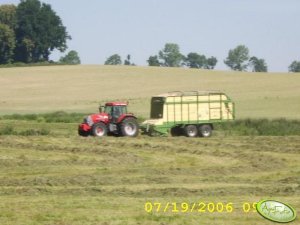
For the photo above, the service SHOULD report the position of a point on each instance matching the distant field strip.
(82, 88)
(44, 124)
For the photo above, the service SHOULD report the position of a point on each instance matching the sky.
(100, 28)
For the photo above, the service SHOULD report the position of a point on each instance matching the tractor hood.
(95, 118)
(99, 117)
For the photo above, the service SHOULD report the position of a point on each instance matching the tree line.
(238, 59)
(30, 31)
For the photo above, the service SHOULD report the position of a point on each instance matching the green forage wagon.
(192, 113)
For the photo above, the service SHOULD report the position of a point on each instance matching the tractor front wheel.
(83, 133)
(99, 130)
(129, 127)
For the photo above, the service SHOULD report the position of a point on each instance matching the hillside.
(50, 175)
(82, 88)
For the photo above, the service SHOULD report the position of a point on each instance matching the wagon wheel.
(191, 131)
(205, 130)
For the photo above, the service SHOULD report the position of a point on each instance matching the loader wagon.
(192, 113)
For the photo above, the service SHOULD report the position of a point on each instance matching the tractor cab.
(114, 110)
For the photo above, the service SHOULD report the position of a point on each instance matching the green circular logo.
(276, 211)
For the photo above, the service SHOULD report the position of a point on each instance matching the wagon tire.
(176, 131)
(129, 127)
(191, 131)
(99, 130)
(205, 130)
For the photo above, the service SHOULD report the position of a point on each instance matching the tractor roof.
(116, 104)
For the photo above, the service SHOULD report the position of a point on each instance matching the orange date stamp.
(199, 207)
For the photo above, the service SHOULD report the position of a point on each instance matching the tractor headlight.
(89, 121)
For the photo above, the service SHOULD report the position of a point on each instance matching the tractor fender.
(124, 116)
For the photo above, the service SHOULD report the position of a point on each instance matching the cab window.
(108, 109)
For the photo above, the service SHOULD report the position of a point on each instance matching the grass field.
(49, 175)
(82, 88)
(64, 179)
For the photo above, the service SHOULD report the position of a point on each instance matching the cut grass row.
(254, 127)
(72, 180)
(65, 179)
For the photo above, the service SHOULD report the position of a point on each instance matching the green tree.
(113, 60)
(39, 31)
(127, 61)
(72, 58)
(7, 44)
(258, 65)
(153, 61)
(194, 60)
(171, 55)
(8, 15)
(295, 67)
(237, 58)
(211, 63)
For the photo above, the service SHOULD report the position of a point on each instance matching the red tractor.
(112, 118)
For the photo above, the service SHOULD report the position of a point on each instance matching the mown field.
(60, 178)
(82, 88)
(49, 175)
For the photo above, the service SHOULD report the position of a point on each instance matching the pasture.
(49, 175)
(83, 88)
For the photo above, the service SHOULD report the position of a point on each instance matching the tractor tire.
(205, 130)
(129, 127)
(99, 130)
(191, 131)
(83, 133)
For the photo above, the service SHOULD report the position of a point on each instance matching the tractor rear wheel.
(99, 130)
(191, 131)
(129, 127)
(205, 130)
